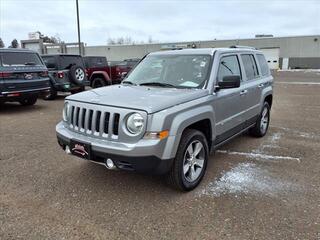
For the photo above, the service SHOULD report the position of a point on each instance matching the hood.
(149, 99)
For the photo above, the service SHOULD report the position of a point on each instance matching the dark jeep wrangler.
(23, 76)
(66, 72)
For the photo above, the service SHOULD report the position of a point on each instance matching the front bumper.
(143, 157)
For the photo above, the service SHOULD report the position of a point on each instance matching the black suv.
(23, 76)
(66, 72)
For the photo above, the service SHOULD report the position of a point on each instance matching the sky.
(163, 21)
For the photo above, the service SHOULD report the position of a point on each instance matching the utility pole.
(78, 23)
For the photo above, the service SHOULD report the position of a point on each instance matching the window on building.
(229, 65)
(250, 66)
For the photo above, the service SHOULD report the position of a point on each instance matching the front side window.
(228, 66)
(263, 65)
(181, 71)
(19, 59)
(250, 66)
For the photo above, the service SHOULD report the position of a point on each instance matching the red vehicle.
(100, 73)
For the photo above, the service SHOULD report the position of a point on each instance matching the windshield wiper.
(128, 82)
(30, 63)
(157, 84)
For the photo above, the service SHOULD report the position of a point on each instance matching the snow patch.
(299, 83)
(259, 155)
(300, 133)
(298, 70)
(247, 178)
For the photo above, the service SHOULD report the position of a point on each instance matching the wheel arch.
(200, 118)
(102, 74)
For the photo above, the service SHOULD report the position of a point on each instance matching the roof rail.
(246, 47)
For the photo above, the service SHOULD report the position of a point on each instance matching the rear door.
(229, 103)
(22, 71)
(251, 83)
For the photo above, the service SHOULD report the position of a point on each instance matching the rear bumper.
(67, 86)
(16, 95)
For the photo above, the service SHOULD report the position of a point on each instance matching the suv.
(66, 72)
(98, 71)
(170, 112)
(101, 74)
(23, 76)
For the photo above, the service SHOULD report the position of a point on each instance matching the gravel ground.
(265, 188)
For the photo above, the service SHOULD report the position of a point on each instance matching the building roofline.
(204, 41)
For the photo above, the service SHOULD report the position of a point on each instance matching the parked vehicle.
(67, 74)
(23, 76)
(171, 112)
(101, 74)
(118, 70)
(98, 71)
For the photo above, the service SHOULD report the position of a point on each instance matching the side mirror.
(232, 81)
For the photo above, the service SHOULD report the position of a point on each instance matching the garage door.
(272, 57)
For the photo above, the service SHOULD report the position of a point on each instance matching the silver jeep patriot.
(170, 112)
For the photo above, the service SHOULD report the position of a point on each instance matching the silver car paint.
(173, 109)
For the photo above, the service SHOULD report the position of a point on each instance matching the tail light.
(60, 74)
(5, 74)
(87, 72)
(44, 74)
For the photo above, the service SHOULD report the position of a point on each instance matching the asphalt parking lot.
(265, 188)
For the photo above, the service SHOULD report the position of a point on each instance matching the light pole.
(78, 23)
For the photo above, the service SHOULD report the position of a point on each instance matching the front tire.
(29, 101)
(190, 163)
(262, 124)
(98, 82)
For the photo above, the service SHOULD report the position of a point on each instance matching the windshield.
(181, 71)
(19, 59)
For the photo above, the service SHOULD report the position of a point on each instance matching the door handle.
(260, 85)
(243, 92)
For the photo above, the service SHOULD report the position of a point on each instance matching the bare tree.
(14, 43)
(1, 43)
(125, 40)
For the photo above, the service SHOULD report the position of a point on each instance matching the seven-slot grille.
(94, 122)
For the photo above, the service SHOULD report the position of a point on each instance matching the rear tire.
(81, 89)
(29, 101)
(51, 95)
(190, 163)
(262, 124)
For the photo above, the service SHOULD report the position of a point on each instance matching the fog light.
(68, 151)
(110, 164)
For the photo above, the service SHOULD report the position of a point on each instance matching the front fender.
(95, 73)
(177, 119)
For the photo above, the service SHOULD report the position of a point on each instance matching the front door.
(228, 103)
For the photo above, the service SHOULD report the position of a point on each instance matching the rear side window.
(228, 65)
(250, 66)
(50, 62)
(67, 61)
(96, 62)
(263, 65)
(19, 59)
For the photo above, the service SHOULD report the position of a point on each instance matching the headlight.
(65, 112)
(135, 123)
